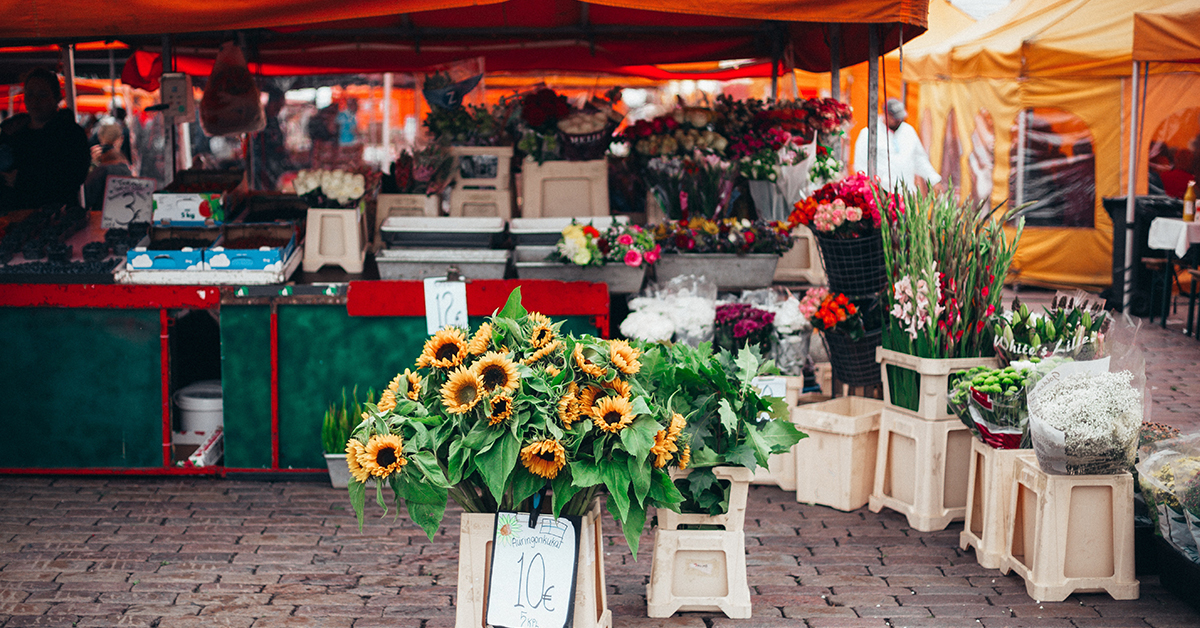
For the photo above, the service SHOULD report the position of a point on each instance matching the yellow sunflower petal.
(445, 349)
(621, 387)
(624, 357)
(414, 384)
(502, 409)
(586, 365)
(384, 455)
(612, 414)
(676, 426)
(354, 450)
(480, 341)
(387, 401)
(496, 372)
(662, 449)
(686, 457)
(544, 458)
(462, 391)
(394, 385)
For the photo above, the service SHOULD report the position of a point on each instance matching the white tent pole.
(1130, 189)
(68, 63)
(872, 101)
(1022, 132)
(835, 61)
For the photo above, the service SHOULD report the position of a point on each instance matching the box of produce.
(252, 246)
(188, 209)
(172, 248)
(992, 403)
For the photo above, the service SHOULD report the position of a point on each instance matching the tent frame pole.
(835, 61)
(68, 65)
(169, 130)
(1022, 133)
(386, 127)
(1131, 189)
(872, 101)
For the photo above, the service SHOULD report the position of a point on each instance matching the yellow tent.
(1043, 83)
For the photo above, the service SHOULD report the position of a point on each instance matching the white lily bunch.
(339, 185)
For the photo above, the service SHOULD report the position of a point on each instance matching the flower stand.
(481, 203)
(335, 236)
(835, 465)
(621, 279)
(564, 188)
(482, 167)
(731, 272)
(921, 469)
(803, 262)
(474, 563)
(339, 473)
(702, 570)
(933, 381)
(854, 266)
(989, 487)
(1071, 533)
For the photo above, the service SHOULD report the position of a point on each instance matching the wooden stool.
(335, 236)
(803, 261)
(1071, 533)
(835, 465)
(481, 203)
(388, 205)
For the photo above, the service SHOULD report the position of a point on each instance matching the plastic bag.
(1169, 479)
(1085, 416)
(231, 103)
(1072, 326)
(683, 309)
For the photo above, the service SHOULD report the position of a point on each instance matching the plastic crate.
(564, 188)
(989, 488)
(835, 465)
(921, 469)
(933, 380)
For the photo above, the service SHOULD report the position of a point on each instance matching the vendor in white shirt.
(901, 157)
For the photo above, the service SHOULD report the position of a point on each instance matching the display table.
(1174, 236)
(97, 360)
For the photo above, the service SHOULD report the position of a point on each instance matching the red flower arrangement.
(543, 109)
(842, 209)
(837, 314)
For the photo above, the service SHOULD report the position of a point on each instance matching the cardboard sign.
(187, 209)
(532, 578)
(445, 304)
(126, 200)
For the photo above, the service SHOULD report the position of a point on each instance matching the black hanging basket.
(854, 362)
(854, 267)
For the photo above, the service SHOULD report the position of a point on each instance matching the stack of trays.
(420, 247)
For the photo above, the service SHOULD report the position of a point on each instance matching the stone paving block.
(972, 611)
(62, 596)
(848, 622)
(1109, 622)
(43, 621)
(944, 600)
(817, 610)
(303, 622)
(397, 622)
(1053, 609)
(844, 570)
(252, 610)
(1023, 622)
(859, 601)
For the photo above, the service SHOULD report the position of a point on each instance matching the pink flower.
(625, 239)
(854, 214)
(653, 255)
(633, 258)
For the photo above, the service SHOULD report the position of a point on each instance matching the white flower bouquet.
(330, 188)
(1084, 420)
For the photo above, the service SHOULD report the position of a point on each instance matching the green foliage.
(339, 419)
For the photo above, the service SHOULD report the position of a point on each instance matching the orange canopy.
(1169, 34)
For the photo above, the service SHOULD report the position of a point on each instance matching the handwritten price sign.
(126, 200)
(445, 303)
(532, 583)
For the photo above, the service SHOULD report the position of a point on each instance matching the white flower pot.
(339, 473)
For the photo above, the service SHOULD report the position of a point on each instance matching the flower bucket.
(339, 473)
(475, 559)
(855, 266)
(854, 361)
(730, 271)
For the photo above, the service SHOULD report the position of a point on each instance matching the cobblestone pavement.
(172, 552)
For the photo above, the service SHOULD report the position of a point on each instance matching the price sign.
(770, 387)
(532, 583)
(445, 303)
(126, 200)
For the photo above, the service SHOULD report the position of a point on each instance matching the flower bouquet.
(850, 347)
(737, 325)
(471, 126)
(723, 410)
(1071, 325)
(845, 219)
(682, 310)
(728, 235)
(696, 184)
(491, 419)
(1168, 477)
(1085, 421)
(330, 188)
(427, 171)
(584, 245)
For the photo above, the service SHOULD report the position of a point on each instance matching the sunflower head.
(354, 453)
(543, 352)
(384, 455)
(619, 386)
(502, 409)
(496, 372)
(662, 449)
(480, 341)
(552, 370)
(676, 426)
(394, 385)
(414, 384)
(586, 365)
(624, 357)
(541, 335)
(445, 349)
(586, 398)
(568, 409)
(462, 391)
(544, 458)
(685, 457)
(387, 401)
(612, 414)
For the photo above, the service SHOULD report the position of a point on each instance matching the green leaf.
(426, 502)
(428, 465)
(780, 436)
(748, 364)
(564, 489)
(497, 463)
(639, 475)
(700, 480)
(729, 420)
(585, 474)
(705, 457)
(524, 485)
(742, 456)
(616, 478)
(456, 462)
(481, 437)
(638, 438)
(756, 442)
(358, 498)
(513, 308)
(632, 524)
(663, 492)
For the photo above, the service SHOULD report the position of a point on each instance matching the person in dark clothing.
(110, 162)
(270, 152)
(50, 155)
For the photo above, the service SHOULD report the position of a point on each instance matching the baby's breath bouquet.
(489, 419)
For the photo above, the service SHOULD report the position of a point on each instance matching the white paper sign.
(445, 303)
(770, 387)
(532, 583)
(126, 200)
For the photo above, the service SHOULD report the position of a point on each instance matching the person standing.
(270, 150)
(51, 155)
(109, 161)
(900, 157)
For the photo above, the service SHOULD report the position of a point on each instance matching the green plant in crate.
(946, 263)
(725, 424)
(340, 419)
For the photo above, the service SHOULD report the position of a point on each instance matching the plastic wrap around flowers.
(584, 245)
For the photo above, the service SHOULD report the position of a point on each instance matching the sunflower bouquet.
(492, 418)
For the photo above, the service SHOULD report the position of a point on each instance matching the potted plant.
(725, 438)
(492, 418)
(733, 253)
(335, 431)
(617, 256)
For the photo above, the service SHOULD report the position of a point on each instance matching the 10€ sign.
(532, 581)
